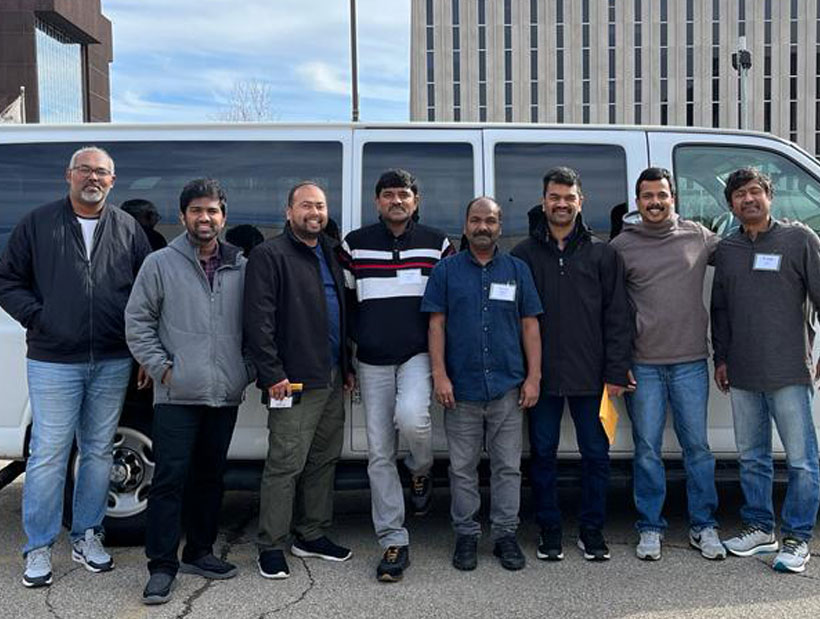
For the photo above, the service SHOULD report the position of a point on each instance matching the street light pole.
(354, 65)
(742, 62)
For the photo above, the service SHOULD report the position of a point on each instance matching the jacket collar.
(230, 255)
(539, 230)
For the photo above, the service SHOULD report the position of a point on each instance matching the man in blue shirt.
(479, 376)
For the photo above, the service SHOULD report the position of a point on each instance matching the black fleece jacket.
(586, 327)
(285, 312)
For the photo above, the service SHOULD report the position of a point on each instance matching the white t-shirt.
(88, 226)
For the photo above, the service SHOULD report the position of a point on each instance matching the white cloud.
(187, 54)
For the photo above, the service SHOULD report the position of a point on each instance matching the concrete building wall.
(679, 71)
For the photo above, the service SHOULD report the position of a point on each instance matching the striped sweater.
(386, 277)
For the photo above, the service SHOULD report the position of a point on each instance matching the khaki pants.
(304, 444)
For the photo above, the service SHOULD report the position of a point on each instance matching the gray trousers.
(499, 423)
(304, 444)
(397, 403)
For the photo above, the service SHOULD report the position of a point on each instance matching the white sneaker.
(707, 541)
(38, 567)
(89, 551)
(649, 546)
(750, 541)
(793, 557)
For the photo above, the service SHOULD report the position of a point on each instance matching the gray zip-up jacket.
(174, 319)
(759, 298)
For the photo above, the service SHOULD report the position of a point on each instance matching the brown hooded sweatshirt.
(665, 266)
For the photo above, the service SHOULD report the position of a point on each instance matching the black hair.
(563, 176)
(244, 236)
(202, 188)
(740, 177)
(397, 178)
(299, 185)
(655, 174)
(479, 198)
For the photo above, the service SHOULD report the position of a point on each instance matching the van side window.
(256, 176)
(701, 172)
(520, 168)
(445, 177)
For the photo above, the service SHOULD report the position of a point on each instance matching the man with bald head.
(65, 275)
(482, 378)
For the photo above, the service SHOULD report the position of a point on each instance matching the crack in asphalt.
(49, 605)
(299, 600)
(233, 536)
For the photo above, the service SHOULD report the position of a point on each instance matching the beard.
(92, 194)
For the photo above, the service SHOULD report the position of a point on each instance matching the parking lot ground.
(682, 584)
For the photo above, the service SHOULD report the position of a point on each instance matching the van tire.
(131, 476)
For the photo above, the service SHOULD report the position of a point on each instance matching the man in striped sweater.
(386, 268)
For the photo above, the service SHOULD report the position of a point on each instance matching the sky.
(178, 60)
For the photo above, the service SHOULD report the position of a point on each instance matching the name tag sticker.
(502, 292)
(409, 276)
(767, 262)
(283, 403)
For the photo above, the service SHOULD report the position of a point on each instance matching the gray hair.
(90, 149)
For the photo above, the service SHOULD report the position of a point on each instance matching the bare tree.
(250, 101)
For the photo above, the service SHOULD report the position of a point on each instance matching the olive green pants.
(304, 444)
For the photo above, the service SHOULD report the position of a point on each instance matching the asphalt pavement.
(682, 584)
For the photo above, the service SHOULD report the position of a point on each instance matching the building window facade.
(456, 63)
(534, 61)
(716, 63)
(793, 58)
(59, 75)
(482, 60)
(690, 63)
(559, 60)
(664, 60)
(586, 81)
(638, 60)
(611, 65)
(508, 62)
(431, 62)
(767, 65)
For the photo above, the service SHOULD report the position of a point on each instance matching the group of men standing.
(560, 321)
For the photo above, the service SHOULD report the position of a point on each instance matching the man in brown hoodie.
(665, 260)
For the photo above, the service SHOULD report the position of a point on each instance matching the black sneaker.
(322, 548)
(210, 567)
(158, 589)
(272, 564)
(465, 555)
(394, 561)
(509, 552)
(592, 542)
(549, 544)
(421, 494)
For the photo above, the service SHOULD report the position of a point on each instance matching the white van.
(258, 163)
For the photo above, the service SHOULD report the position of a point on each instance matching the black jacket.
(285, 312)
(586, 328)
(72, 308)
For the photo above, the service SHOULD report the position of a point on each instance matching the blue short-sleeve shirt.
(484, 305)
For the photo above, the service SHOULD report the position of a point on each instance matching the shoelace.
(791, 546)
(392, 554)
(93, 545)
(749, 531)
(418, 484)
(38, 559)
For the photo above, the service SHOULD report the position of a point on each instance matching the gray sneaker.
(89, 551)
(750, 541)
(793, 557)
(707, 541)
(649, 546)
(38, 568)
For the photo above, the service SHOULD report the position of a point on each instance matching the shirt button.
(485, 308)
(486, 350)
(486, 328)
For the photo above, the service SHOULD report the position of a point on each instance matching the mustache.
(487, 234)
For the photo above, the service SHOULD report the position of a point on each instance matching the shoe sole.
(305, 554)
(276, 576)
(188, 568)
(715, 557)
(387, 577)
(78, 558)
(38, 582)
(541, 556)
(648, 556)
(783, 568)
(772, 547)
(155, 600)
(465, 568)
(589, 557)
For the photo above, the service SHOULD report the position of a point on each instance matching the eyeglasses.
(84, 170)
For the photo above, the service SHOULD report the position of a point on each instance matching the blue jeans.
(68, 400)
(685, 388)
(545, 431)
(790, 407)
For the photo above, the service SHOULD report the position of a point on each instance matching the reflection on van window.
(520, 168)
(444, 171)
(256, 176)
(701, 173)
